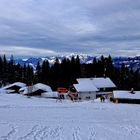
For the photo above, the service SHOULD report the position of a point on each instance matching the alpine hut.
(126, 97)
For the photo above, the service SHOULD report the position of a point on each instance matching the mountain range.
(130, 62)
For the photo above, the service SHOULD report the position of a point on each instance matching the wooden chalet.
(86, 89)
(102, 86)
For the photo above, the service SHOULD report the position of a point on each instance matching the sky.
(61, 27)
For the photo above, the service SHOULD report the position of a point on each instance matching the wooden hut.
(126, 97)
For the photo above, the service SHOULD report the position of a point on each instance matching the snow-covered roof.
(99, 82)
(19, 84)
(126, 95)
(85, 86)
(36, 87)
(22, 89)
(43, 87)
(103, 82)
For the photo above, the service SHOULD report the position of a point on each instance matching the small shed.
(126, 97)
(86, 89)
(14, 88)
(35, 90)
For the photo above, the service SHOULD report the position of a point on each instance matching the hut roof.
(103, 82)
(100, 82)
(126, 95)
(85, 86)
(38, 86)
(18, 84)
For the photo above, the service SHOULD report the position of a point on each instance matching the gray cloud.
(59, 26)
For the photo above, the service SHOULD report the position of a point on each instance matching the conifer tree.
(45, 72)
(30, 75)
(55, 75)
(37, 77)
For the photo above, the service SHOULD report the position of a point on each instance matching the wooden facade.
(105, 94)
(87, 95)
(124, 100)
(35, 93)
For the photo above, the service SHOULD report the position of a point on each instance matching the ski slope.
(23, 118)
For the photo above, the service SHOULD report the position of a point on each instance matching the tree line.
(64, 73)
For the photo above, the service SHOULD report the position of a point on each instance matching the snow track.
(42, 133)
(10, 134)
(39, 132)
(132, 130)
(30, 135)
(76, 134)
(92, 135)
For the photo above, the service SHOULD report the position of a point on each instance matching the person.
(132, 91)
(59, 97)
(102, 98)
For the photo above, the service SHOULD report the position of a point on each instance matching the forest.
(64, 74)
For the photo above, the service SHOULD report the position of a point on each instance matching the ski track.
(30, 134)
(42, 133)
(133, 130)
(10, 134)
(92, 135)
(76, 133)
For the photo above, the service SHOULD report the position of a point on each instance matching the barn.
(14, 88)
(126, 97)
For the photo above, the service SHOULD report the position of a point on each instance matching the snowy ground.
(23, 118)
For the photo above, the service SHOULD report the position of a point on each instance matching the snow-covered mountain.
(33, 61)
(130, 62)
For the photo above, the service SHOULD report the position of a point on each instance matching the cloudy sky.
(55, 27)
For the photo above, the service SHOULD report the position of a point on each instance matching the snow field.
(23, 118)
